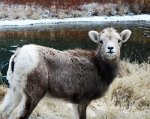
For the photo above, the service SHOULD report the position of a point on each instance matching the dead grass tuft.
(3, 90)
(132, 89)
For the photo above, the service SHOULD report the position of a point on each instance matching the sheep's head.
(109, 42)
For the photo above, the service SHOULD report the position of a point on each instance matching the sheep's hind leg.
(31, 97)
(76, 113)
(10, 102)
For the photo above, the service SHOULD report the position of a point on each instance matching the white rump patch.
(25, 60)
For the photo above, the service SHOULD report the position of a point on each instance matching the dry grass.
(65, 4)
(132, 91)
(127, 98)
(14, 9)
(12, 12)
(3, 90)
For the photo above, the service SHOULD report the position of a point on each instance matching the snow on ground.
(100, 19)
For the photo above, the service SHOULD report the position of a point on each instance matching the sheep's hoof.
(2, 116)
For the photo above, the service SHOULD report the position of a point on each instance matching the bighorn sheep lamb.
(77, 76)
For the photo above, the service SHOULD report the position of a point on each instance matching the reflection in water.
(138, 35)
(64, 34)
(137, 48)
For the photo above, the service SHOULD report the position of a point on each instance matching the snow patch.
(22, 23)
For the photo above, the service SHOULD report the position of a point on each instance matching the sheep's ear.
(94, 35)
(125, 35)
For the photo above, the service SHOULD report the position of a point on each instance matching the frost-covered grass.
(127, 98)
(136, 5)
(34, 11)
(11, 12)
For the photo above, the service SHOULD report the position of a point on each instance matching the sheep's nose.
(110, 48)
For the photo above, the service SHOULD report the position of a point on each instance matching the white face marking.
(109, 45)
(109, 42)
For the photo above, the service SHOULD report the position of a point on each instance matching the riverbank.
(127, 98)
(55, 21)
(33, 14)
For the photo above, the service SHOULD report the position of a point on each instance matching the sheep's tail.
(11, 66)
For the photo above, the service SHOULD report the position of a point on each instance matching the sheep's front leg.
(80, 110)
(10, 102)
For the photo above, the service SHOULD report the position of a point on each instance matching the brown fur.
(75, 78)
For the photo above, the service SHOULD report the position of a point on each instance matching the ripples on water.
(74, 36)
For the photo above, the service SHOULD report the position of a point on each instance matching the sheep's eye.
(119, 41)
(101, 41)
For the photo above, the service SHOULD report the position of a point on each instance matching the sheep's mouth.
(110, 56)
(110, 52)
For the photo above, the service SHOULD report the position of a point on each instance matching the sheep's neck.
(107, 70)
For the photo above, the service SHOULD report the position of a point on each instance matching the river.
(74, 36)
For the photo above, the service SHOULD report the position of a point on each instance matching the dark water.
(74, 36)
